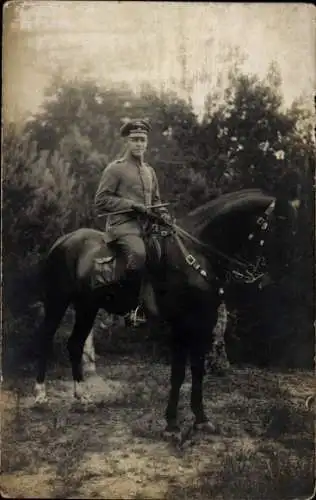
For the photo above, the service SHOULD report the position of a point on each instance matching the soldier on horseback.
(130, 184)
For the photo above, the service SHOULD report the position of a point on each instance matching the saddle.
(108, 264)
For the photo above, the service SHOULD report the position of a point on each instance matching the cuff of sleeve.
(130, 203)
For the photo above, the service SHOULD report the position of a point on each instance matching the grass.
(263, 447)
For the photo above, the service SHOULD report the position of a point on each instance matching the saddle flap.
(104, 263)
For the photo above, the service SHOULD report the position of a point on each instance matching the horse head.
(249, 235)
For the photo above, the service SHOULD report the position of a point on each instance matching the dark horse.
(238, 237)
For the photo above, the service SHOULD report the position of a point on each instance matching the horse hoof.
(41, 399)
(82, 394)
(173, 434)
(205, 427)
(40, 394)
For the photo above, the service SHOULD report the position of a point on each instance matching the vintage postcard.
(158, 178)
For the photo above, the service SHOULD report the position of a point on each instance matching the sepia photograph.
(157, 256)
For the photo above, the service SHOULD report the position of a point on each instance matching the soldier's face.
(137, 144)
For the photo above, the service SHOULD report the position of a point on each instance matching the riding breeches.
(134, 251)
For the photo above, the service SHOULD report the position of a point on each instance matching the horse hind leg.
(85, 317)
(54, 312)
(89, 355)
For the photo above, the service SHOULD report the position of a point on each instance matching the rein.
(246, 271)
(210, 248)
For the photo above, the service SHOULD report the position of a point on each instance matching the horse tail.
(34, 280)
(35, 288)
(38, 275)
(29, 284)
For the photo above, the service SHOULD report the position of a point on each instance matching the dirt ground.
(263, 447)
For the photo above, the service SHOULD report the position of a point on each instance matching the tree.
(82, 121)
(52, 167)
(248, 140)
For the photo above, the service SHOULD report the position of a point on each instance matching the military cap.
(135, 125)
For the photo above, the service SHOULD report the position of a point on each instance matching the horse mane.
(233, 203)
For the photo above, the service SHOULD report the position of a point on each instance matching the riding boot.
(134, 282)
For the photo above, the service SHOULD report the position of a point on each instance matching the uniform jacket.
(124, 182)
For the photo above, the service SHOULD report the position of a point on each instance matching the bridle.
(236, 268)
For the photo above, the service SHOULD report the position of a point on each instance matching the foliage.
(51, 168)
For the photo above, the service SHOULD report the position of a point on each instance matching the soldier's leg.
(133, 248)
(134, 251)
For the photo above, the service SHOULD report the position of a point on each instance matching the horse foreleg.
(178, 364)
(197, 362)
(85, 316)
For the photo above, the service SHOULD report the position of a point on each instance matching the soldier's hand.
(140, 208)
(166, 217)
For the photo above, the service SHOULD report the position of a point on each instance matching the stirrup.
(135, 317)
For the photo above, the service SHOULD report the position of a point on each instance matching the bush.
(52, 166)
